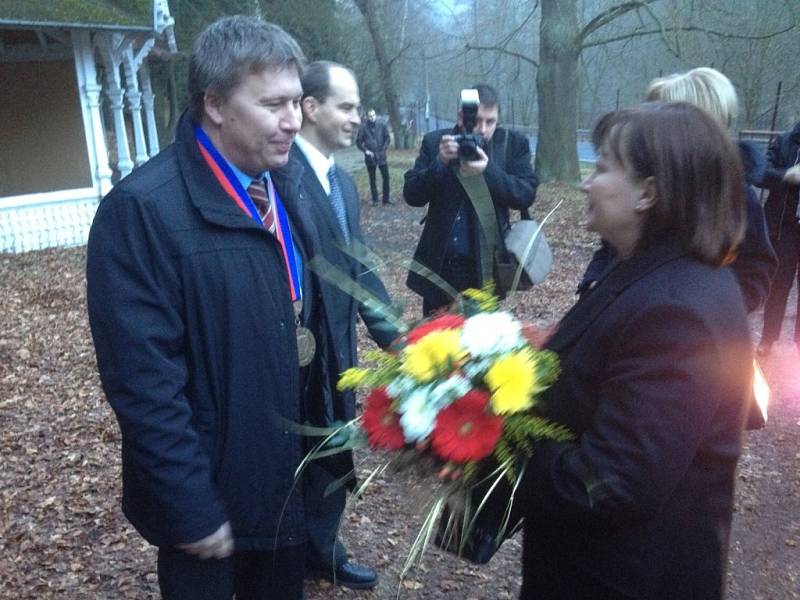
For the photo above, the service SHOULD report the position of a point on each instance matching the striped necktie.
(258, 193)
(337, 202)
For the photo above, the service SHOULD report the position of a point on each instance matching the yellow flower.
(432, 354)
(484, 297)
(351, 378)
(512, 379)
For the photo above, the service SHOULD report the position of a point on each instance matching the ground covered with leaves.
(62, 534)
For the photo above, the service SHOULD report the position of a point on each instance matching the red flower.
(465, 431)
(437, 324)
(381, 422)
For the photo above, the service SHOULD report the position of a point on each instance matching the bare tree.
(368, 8)
(562, 41)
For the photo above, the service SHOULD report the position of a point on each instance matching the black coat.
(194, 331)
(781, 204)
(340, 308)
(511, 182)
(656, 371)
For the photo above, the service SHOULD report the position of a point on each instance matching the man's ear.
(213, 103)
(648, 197)
(309, 105)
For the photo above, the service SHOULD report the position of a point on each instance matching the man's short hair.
(487, 95)
(696, 169)
(316, 79)
(704, 87)
(229, 49)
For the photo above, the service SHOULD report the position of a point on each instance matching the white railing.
(38, 221)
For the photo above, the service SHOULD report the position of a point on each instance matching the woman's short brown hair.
(697, 174)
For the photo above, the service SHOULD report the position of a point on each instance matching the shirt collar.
(243, 177)
(319, 162)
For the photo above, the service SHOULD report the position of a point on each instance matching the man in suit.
(330, 117)
(373, 140)
(197, 324)
(450, 241)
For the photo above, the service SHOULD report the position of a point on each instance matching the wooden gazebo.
(74, 80)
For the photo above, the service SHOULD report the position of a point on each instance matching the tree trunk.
(557, 91)
(367, 9)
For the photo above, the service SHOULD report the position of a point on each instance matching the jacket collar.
(618, 278)
(206, 193)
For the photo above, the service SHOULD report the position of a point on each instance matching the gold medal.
(306, 344)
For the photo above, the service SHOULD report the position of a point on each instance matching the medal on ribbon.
(306, 344)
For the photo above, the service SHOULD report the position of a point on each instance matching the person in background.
(373, 140)
(782, 179)
(755, 260)
(330, 115)
(450, 244)
(197, 303)
(656, 372)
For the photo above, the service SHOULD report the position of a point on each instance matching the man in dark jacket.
(198, 324)
(330, 114)
(373, 141)
(782, 178)
(450, 242)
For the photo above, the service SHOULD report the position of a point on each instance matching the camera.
(469, 142)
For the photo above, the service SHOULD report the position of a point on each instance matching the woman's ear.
(648, 198)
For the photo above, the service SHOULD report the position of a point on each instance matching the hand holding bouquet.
(462, 391)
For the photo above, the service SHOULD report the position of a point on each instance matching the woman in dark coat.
(656, 371)
(755, 262)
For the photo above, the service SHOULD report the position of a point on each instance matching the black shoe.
(374, 203)
(387, 202)
(349, 575)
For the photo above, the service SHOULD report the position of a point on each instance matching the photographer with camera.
(474, 152)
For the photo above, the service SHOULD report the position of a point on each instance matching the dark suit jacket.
(511, 182)
(340, 309)
(781, 204)
(656, 371)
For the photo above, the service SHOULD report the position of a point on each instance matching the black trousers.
(323, 511)
(251, 575)
(786, 242)
(373, 186)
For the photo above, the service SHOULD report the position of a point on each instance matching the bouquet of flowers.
(459, 395)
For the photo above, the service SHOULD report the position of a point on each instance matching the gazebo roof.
(120, 15)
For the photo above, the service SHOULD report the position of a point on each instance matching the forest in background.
(559, 64)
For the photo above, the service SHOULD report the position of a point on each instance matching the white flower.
(491, 333)
(401, 386)
(418, 415)
(476, 368)
(449, 390)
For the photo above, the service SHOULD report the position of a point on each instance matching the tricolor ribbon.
(233, 187)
